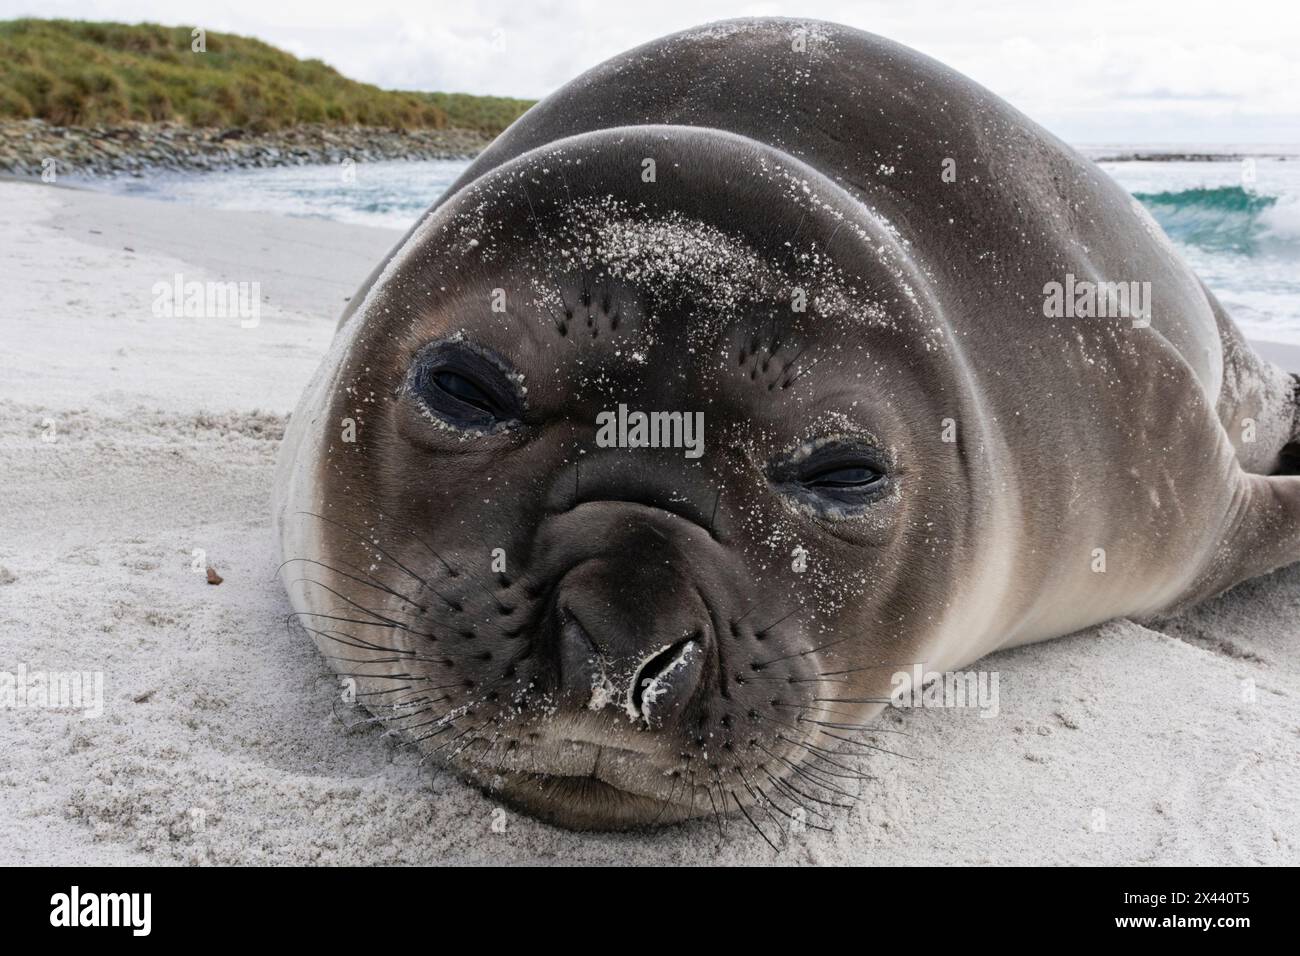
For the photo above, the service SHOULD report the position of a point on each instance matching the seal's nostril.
(659, 675)
(579, 661)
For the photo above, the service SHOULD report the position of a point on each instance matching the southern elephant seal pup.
(748, 369)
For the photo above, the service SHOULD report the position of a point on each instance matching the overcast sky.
(1099, 72)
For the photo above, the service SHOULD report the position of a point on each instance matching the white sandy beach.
(220, 742)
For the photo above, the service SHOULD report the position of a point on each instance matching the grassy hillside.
(79, 73)
(485, 114)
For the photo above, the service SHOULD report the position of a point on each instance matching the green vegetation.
(79, 73)
(486, 114)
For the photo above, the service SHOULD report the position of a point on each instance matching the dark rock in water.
(140, 148)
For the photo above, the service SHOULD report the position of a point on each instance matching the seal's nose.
(664, 681)
(580, 664)
(636, 642)
(652, 691)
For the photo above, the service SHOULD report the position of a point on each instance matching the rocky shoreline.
(33, 147)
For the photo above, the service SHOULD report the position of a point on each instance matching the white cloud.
(1113, 70)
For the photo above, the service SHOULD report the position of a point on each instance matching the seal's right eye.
(465, 387)
(459, 387)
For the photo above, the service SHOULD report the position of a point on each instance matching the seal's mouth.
(586, 802)
(631, 769)
(584, 784)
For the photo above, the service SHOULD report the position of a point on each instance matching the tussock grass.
(78, 73)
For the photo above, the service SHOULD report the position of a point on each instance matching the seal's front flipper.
(1288, 462)
(1262, 535)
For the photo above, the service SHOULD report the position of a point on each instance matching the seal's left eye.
(848, 476)
(839, 478)
(465, 387)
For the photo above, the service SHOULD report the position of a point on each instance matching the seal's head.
(609, 620)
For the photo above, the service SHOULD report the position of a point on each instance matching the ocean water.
(1237, 222)
(389, 194)
(1238, 226)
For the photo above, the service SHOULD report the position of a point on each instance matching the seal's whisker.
(369, 543)
(387, 625)
(815, 824)
(474, 740)
(360, 607)
(789, 795)
(356, 642)
(347, 728)
(818, 754)
(834, 232)
(386, 719)
(757, 828)
(762, 800)
(666, 803)
(803, 653)
(467, 730)
(445, 724)
(371, 583)
(386, 660)
(560, 326)
(810, 766)
(383, 676)
(360, 645)
(422, 690)
(806, 744)
(428, 723)
(853, 700)
(717, 814)
(329, 636)
(786, 783)
(802, 372)
(413, 704)
(805, 770)
(863, 727)
(795, 680)
(869, 667)
(853, 773)
(497, 737)
(333, 617)
(454, 572)
(782, 723)
(403, 656)
(855, 728)
(860, 743)
(449, 602)
(794, 360)
(810, 824)
(779, 621)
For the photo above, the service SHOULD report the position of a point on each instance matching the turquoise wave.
(1219, 219)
